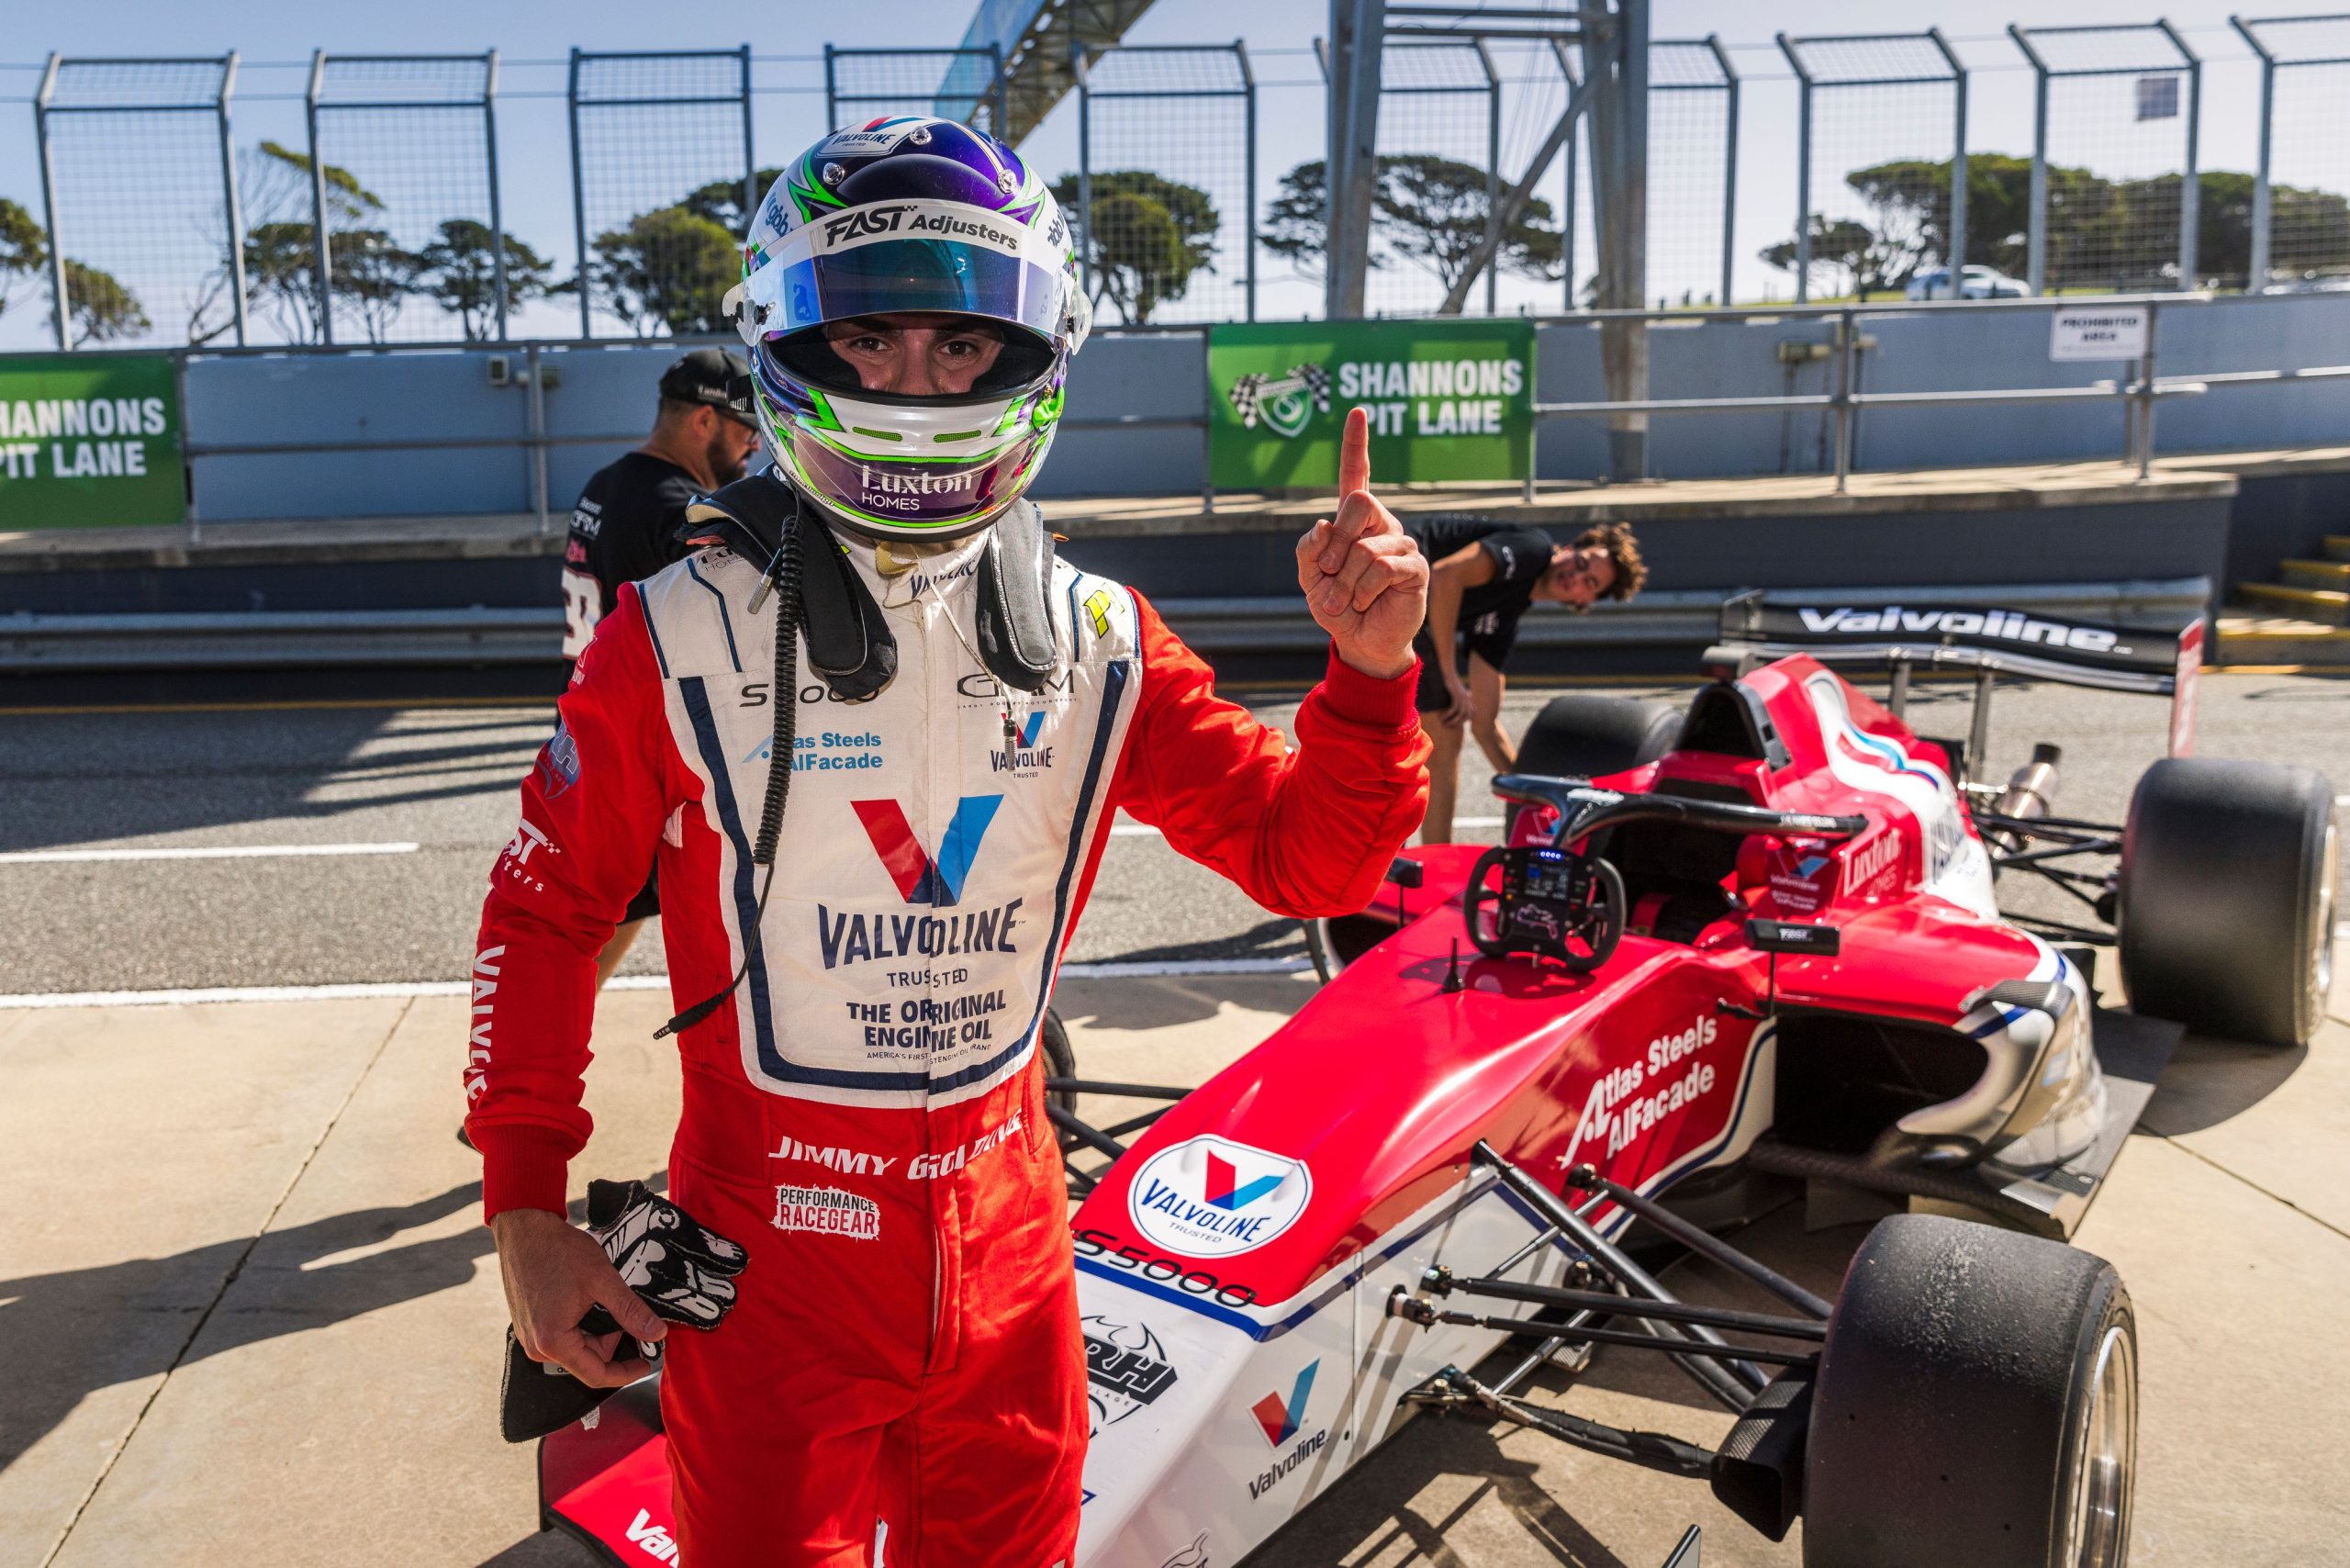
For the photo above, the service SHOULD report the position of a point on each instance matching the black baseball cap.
(715, 377)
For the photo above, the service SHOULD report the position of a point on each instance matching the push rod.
(1735, 1386)
(1671, 1345)
(1090, 1136)
(1585, 1179)
(1121, 1090)
(1652, 1451)
(1608, 1303)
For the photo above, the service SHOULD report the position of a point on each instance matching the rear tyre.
(2226, 902)
(1976, 1406)
(1581, 736)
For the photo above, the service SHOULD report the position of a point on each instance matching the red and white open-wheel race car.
(1728, 951)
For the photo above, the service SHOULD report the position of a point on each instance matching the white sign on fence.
(2098, 331)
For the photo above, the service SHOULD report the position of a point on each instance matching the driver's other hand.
(554, 1272)
(1457, 714)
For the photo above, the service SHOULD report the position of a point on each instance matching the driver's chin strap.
(820, 597)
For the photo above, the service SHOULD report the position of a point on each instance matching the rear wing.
(2160, 658)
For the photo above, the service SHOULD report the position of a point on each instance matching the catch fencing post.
(2035, 273)
(1803, 170)
(321, 257)
(2257, 282)
(1493, 174)
(61, 308)
(1729, 169)
(228, 195)
(751, 192)
(832, 92)
(1084, 162)
(1956, 259)
(2191, 188)
(579, 192)
(497, 212)
(1249, 120)
(538, 416)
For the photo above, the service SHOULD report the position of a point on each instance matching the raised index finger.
(1354, 452)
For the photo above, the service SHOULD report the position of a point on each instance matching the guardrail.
(420, 638)
(2139, 392)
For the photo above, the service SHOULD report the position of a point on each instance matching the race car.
(1768, 953)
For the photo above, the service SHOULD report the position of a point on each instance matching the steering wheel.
(1551, 903)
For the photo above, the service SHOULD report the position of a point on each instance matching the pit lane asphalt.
(442, 778)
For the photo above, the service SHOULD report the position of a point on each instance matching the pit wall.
(607, 391)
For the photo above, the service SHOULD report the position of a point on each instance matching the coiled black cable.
(783, 576)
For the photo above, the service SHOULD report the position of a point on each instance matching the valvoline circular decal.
(1210, 1197)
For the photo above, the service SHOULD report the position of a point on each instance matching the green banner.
(1448, 399)
(90, 441)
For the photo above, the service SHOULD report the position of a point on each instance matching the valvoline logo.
(921, 878)
(1210, 1197)
(1029, 731)
(1280, 1418)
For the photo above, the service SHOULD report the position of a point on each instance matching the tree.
(102, 310)
(24, 250)
(720, 201)
(1846, 245)
(669, 268)
(1427, 210)
(1144, 238)
(281, 250)
(459, 271)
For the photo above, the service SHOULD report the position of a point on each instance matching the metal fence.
(2113, 166)
(139, 190)
(1164, 201)
(385, 224)
(1881, 169)
(964, 84)
(2300, 220)
(405, 239)
(662, 186)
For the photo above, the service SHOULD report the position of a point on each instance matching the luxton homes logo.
(1210, 1197)
(1280, 1419)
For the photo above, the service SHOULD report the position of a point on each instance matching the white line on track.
(378, 991)
(200, 852)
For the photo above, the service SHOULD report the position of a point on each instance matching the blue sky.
(277, 37)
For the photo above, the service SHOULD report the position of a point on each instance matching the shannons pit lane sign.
(1451, 400)
(90, 441)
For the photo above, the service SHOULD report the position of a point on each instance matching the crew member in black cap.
(624, 528)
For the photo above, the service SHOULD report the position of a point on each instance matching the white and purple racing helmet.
(909, 214)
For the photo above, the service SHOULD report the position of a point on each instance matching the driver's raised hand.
(1364, 576)
(554, 1272)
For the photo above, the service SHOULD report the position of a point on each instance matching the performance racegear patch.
(684, 1270)
(828, 1211)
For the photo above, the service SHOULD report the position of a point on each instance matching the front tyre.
(1975, 1406)
(2225, 913)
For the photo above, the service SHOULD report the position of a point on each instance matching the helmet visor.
(909, 274)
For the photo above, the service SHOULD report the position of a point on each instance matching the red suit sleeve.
(592, 813)
(1304, 833)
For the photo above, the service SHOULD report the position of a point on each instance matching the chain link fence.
(1163, 199)
(2113, 194)
(402, 182)
(964, 84)
(2301, 201)
(1440, 178)
(662, 187)
(139, 190)
(1880, 133)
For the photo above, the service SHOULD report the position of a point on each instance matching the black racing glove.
(681, 1269)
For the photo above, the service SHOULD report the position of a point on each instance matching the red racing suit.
(903, 1378)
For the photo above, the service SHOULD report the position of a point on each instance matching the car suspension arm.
(1652, 1451)
(1414, 1310)
(1440, 1282)
(1586, 1178)
(1733, 1384)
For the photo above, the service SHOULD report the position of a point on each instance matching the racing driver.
(874, 833)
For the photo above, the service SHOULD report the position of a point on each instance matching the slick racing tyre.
(2225, 911)
(1580, 737)
(1976, 1406)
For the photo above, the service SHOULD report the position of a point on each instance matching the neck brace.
(848, 639)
